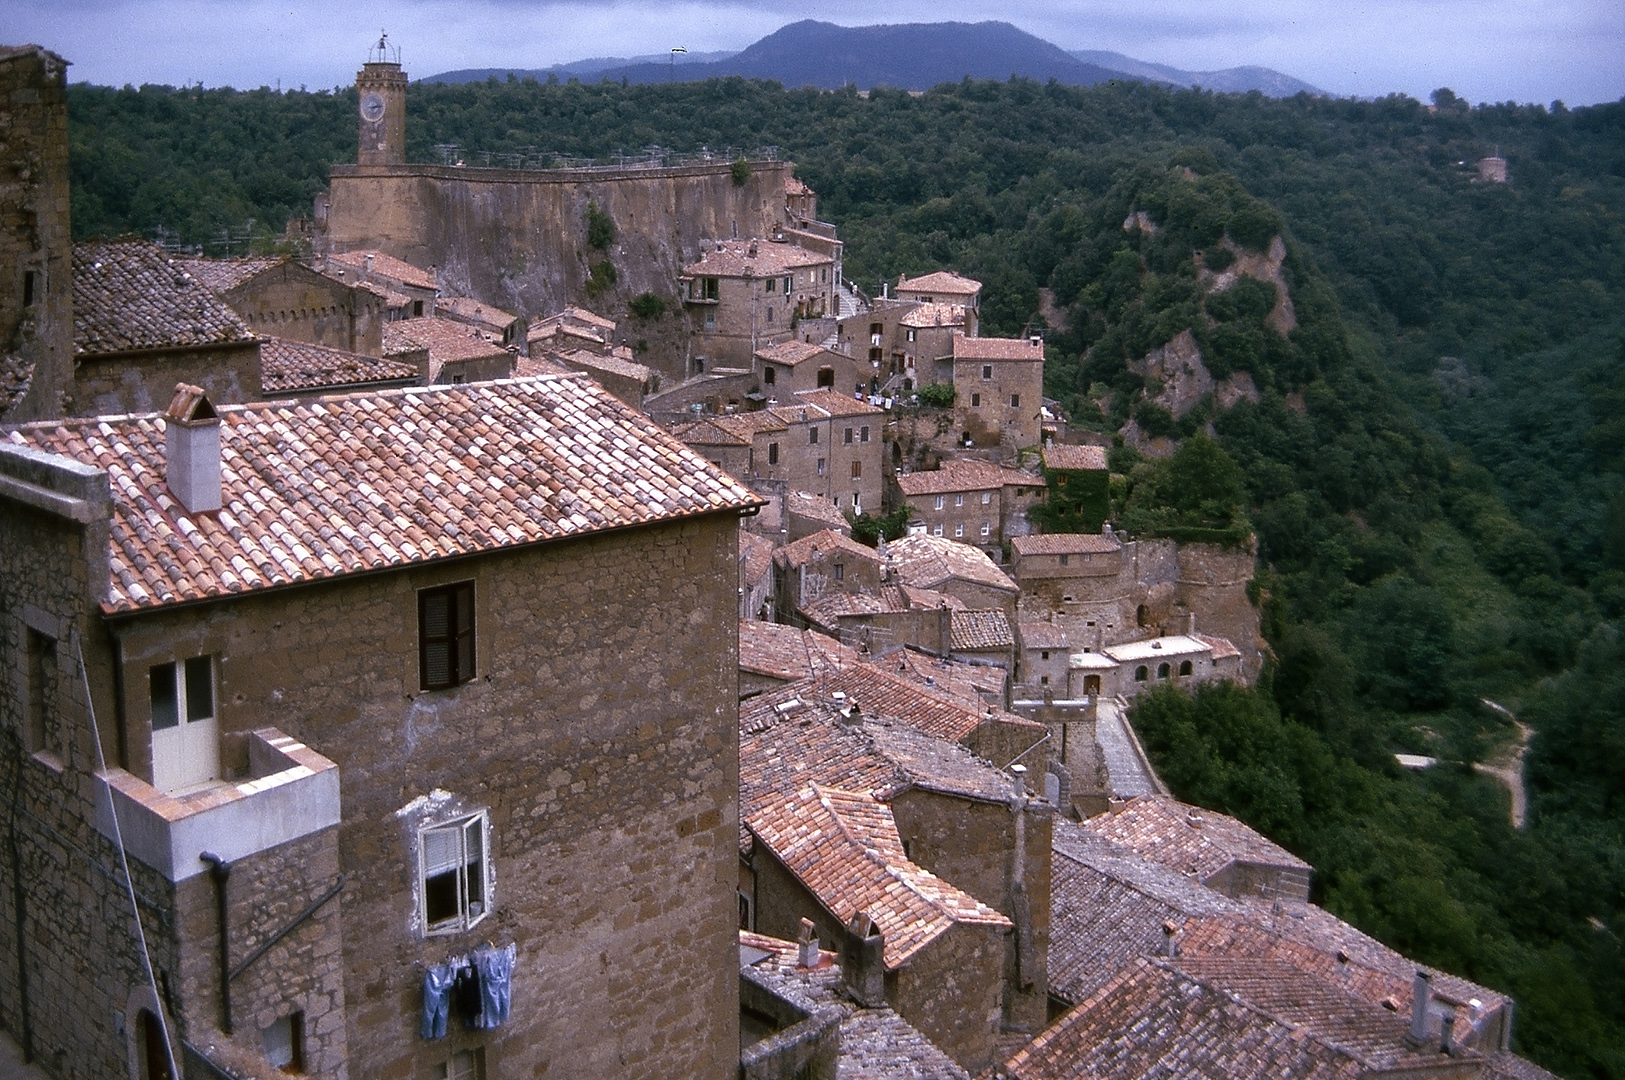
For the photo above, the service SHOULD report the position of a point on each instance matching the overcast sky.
(1486, 50)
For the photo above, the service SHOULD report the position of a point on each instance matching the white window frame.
(986, 529)
(939, 501)
(959, 500)
(470, 912)
(987, 497)
(938, 530)
(959, 530)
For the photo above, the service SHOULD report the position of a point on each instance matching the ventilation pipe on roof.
(863, 962)
(1170, 947)
(366, 268)
(192, 435)
(1036, 341)
(807, 945)
(1421, 1001)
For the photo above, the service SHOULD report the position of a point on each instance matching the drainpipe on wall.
(220, 871)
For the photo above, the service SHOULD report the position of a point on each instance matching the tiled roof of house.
(576, 314)
(448, 341)
(221, 275)
(1042, 635)
(784, 652)
(385, 266)
(526, 367)
(389, 296)
(929, 561)
(881, 691)
(318, 489)
(941, 281)
(1505, 1065)
(844, 847)
(694, 433)
(1222, 648)
(790, 352)
(610, 365)
(129, 295)
(835, 404)
(747, 424)
(829, 608)
(1075, 458)
(287, 366)
(995, 349)
(817, 508)
(733, 258)
(755, 557)
(1066, 544)
(469, 309)
(928, 315)
(794, 186)
(1186, 838)
(1152, 1020)
(397, 342)
(973, 630)
(961, 475)
(823, 544)
(970, 684)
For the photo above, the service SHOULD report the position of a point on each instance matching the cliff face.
(518, 239)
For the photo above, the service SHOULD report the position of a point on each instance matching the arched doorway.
(151, 1054)
(1091, 684)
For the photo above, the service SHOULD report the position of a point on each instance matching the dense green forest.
(1434, 466)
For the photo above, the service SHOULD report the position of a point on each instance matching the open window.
(455, 874)
(446, 636)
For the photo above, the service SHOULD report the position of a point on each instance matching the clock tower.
(381, 87)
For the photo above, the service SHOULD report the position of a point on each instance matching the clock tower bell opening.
(381, 89)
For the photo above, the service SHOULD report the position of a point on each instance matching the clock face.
(372, 107)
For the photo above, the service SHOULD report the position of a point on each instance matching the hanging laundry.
(495, 967)
(437, 983)
(465, 995)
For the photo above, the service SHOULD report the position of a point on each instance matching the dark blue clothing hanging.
(495, 967)
(437, 981)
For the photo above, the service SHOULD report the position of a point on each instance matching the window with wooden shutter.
(446, 636)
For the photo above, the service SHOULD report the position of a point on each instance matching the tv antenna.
(384, 52)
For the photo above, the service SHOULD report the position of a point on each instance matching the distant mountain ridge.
(911, 56)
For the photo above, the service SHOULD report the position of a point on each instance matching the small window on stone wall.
(1162, 671)
(41, 677)
(446, 636)
(454, 873)
(1184, 667)
(1141, 673)
(284, 1043)
(464, 1065)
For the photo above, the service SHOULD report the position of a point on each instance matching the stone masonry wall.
(951, 992)
(145, 382)
(599, 732)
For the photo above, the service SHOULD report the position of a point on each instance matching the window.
(959, 530)
(820, 466)
(840, 571)
(464, 1065)
(857, 470)
(455, 874)
(812, 436)
(826, 378)
(709, 288)
(939, 502)
(857, 503)
(987, 371)
(417, 309)
(937, 529)
(769, 376)
(1162, 671)
(284, 1043)
(185, 735)
(959, 500)
(987, 497)
(772, 453)
(1064, 559)
(710, 319)
(986, 528)
(1015, 401)
(1044, 654)
(789, 284)
(1043, 680)
(976, 401)
(29, 277)
(771, 282)
(911, 334)
(41, 676)
(770, 313)
(446, 636)
(847, 439)
(1141, 674)
(1087, 557)
(863, 433)
(1184, 667)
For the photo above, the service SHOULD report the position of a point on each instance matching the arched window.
(1162, 671)
(1141, 674)
(1140, 615)
(1184, 667)
(153, 1059)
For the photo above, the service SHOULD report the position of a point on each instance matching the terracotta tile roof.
(747, 424)
(697, 432)
(790, 353)
(824, 543)
(817, 508)
(397, 342)
(1504, 1065)
(221, 275)
(969, 684)
(526, 367)
(130, 295)
(318, 489)
(973, 630)
(15, 375)
(836, 404)
(940, 281)
(385, 266)
(1075, 458)
(448, 341)
(844, 847)
(287, 366)
(581, 359)
(784, 652)
(390, 297)
(794, 186)
(961, 475)
(1066, 544)
(755, 557)
(471, 310)
(1188, 839)
(929, 315)
(995, 349)
(827, 610)
(929, 598)
(576, 314)
(733, 258)
(1154, 1021)
(1042, 635)
(881, 691)
(1222, 648)
(930, 561)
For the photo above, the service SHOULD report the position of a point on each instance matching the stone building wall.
(600, 735)
(982, 406)
(952, 992)
(36, 244)
(115, 383)
(294, 302)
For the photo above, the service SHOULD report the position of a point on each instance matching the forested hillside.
(1432, 465)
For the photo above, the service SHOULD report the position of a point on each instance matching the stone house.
(457, 352)
(946, 288)
(1081, 576)
(499, 327)
(278, 297)
(1129, 667)
(973, 502)
(999, 391)
(376, 269)
(1043, 650)
(615, 371)
(983, 636)
(141, 324)
(806, 513)
(792, 366)
(574, 327)
(772, 655)
(896, 616)
(743, 295)
(818, 565)
(1079, 495)
(299, 369)
(235, 607)
(36, 238)
(932, 562)
(925, 338)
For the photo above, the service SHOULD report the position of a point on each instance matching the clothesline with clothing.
(477, 987)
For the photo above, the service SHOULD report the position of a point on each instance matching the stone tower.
(36, 243)
(381, 86)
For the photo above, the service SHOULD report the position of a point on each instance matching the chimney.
(1169, 948)
(1036, 341)
(1018, 774)
(1421, 999)
(751, 252)
(192, 430)
(366, 272)
(863, 962)
(807, 945)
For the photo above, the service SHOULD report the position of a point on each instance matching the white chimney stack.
(192, 430)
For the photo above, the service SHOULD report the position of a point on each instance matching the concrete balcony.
(292, 791)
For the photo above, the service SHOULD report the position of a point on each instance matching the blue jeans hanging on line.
(496, 981)
(437, 980)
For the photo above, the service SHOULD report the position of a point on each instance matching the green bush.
(600, 277)
(741, 172)
(600, 228)
(937, 395)
(647, 306)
